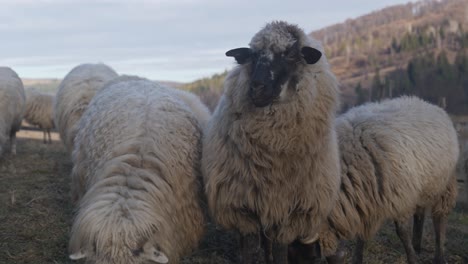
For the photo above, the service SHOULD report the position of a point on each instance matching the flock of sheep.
(151, 165)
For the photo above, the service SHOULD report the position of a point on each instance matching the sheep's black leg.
(45, 136)
(249, 249)
(418, 226)
(403, 231)
(280, 253)
(267, 249)
(13, 143)
(440, 225)
(358, 253)
(50, 138)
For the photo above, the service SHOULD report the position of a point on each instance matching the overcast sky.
(179, 40)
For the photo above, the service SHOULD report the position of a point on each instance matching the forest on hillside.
(412, 49)
(430, 77)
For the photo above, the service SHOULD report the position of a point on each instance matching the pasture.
(36, 215)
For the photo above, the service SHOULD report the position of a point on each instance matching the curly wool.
(259, 164)
(136, 174)
(395, 156)
(74, 94)
(198, 108)
(12, 103)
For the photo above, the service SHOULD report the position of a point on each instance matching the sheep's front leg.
(440, 225)
(50, 138)
(13, 143)
(358, 253)
(418, 226)
(403, 231)
(267, 249)
(249, 249)
(280, 253)
(45, 136)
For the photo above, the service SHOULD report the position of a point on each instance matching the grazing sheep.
(39, 111)
(12, 100)
(136, 176)
(398, 157)
(199, 109)
(271, 140)
(74, 94)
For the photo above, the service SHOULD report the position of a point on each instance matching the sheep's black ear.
(311, 55)
(241, 55)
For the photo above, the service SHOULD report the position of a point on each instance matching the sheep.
(136, 177)
(39, 111)
(12, 101)
(199, 109)
(398, 157)
(271, 140)
(74, 94)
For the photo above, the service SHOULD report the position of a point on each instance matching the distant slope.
(383, 42)
(386, 40)
(45, 85)
(209, 89)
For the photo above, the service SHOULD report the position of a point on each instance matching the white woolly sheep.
(12, 101)
(39, 111)
(74, 94)
(199, 109)
(398, 157)
(271, 140)
(136, 176)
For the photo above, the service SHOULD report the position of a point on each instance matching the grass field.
(36, 215)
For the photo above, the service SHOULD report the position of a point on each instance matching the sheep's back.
(74, 94)
(136, 135)
(201, 112)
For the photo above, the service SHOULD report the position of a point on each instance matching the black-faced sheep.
(12, 101)
(398, 157)
(271, 140)
(136, 176)
(74, 94)
(39, 111)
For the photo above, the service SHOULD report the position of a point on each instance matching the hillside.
(45, 85)
(386, 42)
(388, 39)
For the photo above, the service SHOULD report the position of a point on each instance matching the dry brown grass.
(36, 214)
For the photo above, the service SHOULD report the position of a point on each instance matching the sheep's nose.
(258, 85)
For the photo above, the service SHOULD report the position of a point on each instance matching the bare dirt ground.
(36, 215)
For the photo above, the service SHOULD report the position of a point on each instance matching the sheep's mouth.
(263, 97)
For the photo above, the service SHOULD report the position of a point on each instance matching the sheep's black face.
(271, 71)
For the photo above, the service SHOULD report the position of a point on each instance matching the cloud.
(180, 40)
